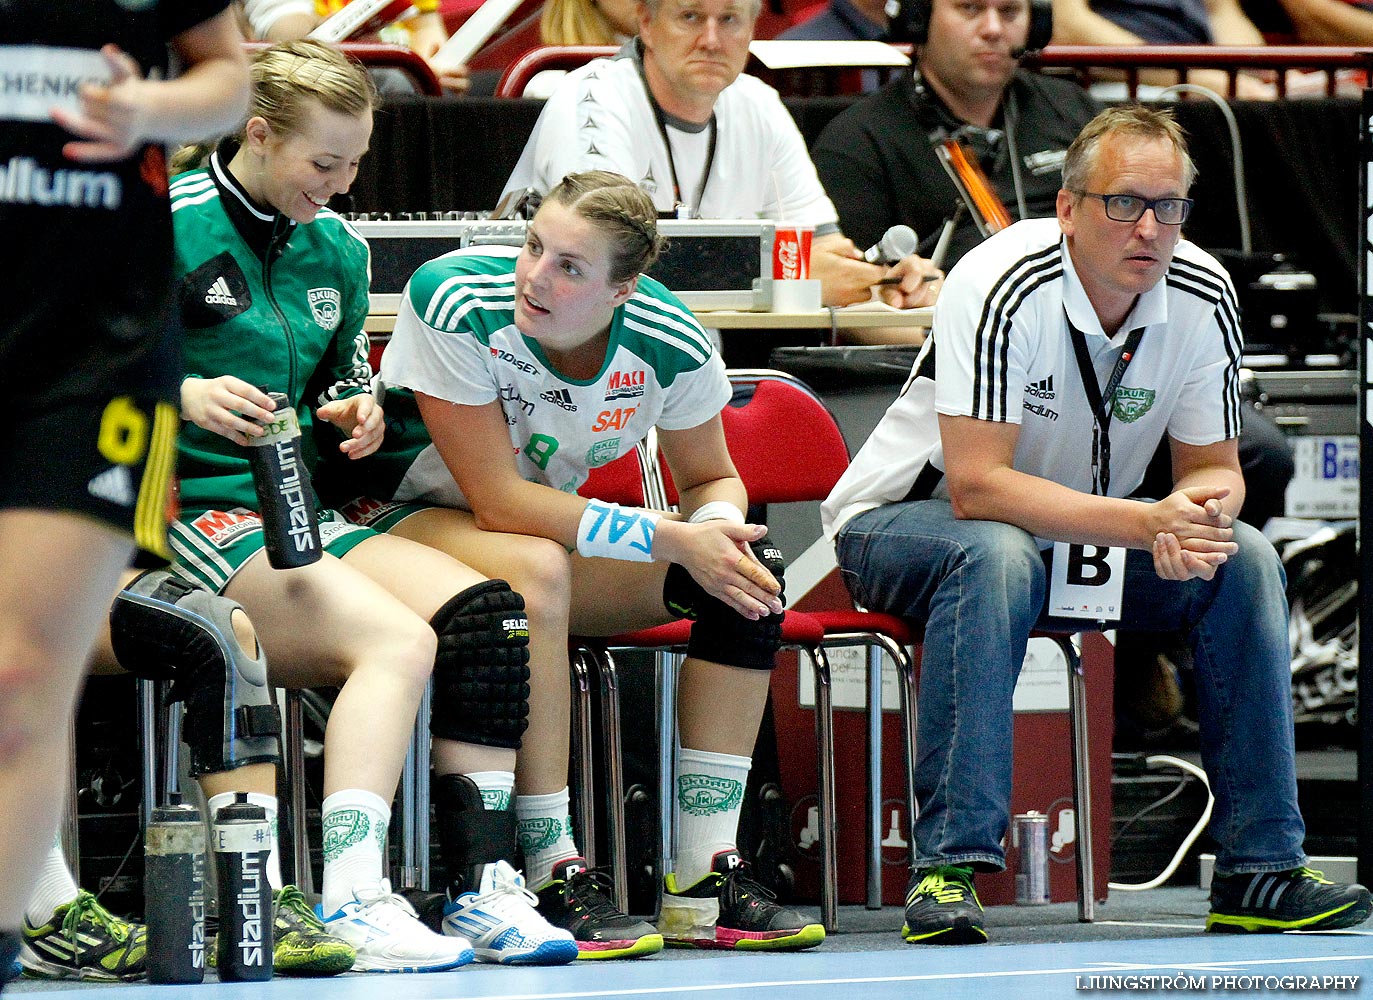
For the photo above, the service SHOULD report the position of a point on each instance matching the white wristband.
(614, 532)
(717, 510)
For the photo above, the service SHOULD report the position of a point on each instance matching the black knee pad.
(165, 628)
(719, 633)
(470, 835)
(481, 672)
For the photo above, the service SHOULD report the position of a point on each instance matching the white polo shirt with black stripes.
(1000, 350)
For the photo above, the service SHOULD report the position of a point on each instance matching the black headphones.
(909, 21)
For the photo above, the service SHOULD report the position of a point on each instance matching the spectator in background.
(843, 20)
(588, 22)
(1331, 22)
(1165, 22)
(674, 112)
(877, 158)
(424, 32)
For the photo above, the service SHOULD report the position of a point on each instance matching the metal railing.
(1088, 63)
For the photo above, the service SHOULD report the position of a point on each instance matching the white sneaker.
(503, 925)
(389, 937)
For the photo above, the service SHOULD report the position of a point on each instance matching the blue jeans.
(980, 587)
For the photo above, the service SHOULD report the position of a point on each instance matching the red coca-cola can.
(791, 252)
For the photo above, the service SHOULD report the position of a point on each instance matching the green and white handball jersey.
(456, 339)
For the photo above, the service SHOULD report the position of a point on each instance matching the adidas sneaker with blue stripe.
(501, 921)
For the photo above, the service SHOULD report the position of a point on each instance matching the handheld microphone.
(896, 244)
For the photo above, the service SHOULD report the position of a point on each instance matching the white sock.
(55, 886)
(355, 822)
(545, 832)
(710, 793)
(496, 788)
(269, 804)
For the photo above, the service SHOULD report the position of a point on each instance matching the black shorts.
(110, 457)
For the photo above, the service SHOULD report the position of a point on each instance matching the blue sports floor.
(1047, 955)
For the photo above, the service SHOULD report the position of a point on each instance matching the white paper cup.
(796, 296)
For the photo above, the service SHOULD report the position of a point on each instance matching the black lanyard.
(660, 117)
(694, 208)
(1101, 400)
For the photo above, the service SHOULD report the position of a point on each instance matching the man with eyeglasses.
(674, 112)
(1067, 349)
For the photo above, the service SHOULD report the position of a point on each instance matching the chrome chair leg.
(147, 737)
(824, 738)
(582, 766)
(667, 669)
(874, 720)
(171, 753)
(614, 777)
(910, 714)
(70, 830)
(294, 740)
(1082, 780)
(423, 752)
(412, 800)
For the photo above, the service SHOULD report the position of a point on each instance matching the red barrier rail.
(1081, 59)
(376, 55)
(516, 76)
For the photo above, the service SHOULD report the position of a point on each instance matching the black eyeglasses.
(1131, 207)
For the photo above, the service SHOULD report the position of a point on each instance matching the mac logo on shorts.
(324, 306)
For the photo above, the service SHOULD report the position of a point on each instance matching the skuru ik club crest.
(324, 305)
(704, 795)
(1130, 404)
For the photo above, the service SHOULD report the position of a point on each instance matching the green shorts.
(379, 515)
(210, 546)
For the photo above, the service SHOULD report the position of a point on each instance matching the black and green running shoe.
(577, 899)
(300, 944)
(83, 940)
(1272, 902)
(728, 909)
(942, 907)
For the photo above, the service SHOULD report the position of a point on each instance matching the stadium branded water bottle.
(174, 894)
(285, 499)
(243, 949)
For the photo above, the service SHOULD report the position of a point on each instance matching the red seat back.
(783, 439)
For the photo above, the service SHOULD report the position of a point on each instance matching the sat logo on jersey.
(624, 385)
(324, 306)
(616, 419)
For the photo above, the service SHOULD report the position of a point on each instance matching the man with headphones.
(877, 159)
